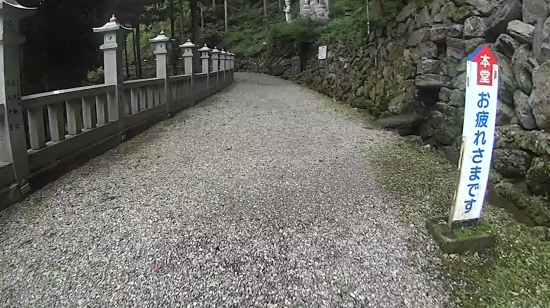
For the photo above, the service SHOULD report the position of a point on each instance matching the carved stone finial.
(113, 19)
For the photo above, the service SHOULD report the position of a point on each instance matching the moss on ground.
(482, 228)
(515, 274)
(532, 206)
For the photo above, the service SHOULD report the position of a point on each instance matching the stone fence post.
(188, 48)
(13, 144)
(188, 57)
(204, 51)
(231, 60)
(215, 61)
(227, 61)
(204, 57)
(222, 63)
(160, 47)
(114, 38)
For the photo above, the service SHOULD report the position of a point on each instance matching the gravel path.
(258, 196)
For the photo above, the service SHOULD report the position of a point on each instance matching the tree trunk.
(172, 35)
(225, 16)
(213, 3)
(135, 52)
(182, 34)
(265, 11)
(195, 31)
(137, 42)
(281, 5)
(126, 60)
(202, 19)
(377, 8)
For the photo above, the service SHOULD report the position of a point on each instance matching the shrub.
(96, 77)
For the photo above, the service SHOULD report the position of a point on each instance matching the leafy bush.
(212, 37)
(96, 77)
(301, 29)
(338, 9)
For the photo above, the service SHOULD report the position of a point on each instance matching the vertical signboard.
(477, 135)
(322, 52)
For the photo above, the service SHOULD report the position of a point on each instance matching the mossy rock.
(461, 13)
(361, 103)
(405, 101)
(537, 209)
(495, 177)
(514, 137)
(403, 69)
(538, 177)
(446, 122)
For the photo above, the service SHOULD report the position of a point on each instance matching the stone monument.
(317, 9)
(287, 10)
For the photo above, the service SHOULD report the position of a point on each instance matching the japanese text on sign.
(322, 52)
(477, 135)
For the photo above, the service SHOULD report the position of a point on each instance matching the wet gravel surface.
(257, 197)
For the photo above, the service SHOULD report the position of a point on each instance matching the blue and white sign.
(478, 134)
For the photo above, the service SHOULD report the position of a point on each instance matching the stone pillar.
(229, 56)
(232, 66)
(204, 58)
(227, 61)
(188, 57)
(287, 11)
(222, 63)
(205, 64)
(215, 63)
(160, 49)
(114, 38)
(13, 144)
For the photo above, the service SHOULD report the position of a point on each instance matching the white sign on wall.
(322, 52)
(478, 135)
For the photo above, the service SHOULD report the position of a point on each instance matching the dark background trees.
(62, 49)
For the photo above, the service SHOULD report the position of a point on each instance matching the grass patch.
(515, 274)
(482, 228)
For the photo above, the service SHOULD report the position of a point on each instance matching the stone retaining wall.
(412, 77)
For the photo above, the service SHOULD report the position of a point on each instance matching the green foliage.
(347, 29)
(248, 32)
(481, 229)
(338, 9)
(96, 77)
(302, 29)
(211, 36)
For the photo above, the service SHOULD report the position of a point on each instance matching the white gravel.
(258, 196)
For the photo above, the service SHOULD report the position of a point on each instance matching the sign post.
(478, 135)
(322, 52)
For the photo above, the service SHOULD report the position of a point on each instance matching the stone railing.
(42, 131)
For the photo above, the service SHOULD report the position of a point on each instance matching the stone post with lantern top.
(222, 64)
(205, 65)
(215, 64)
(187, 57)
(231, 60)
(160, 49)
(188, 48)
(13, 145)
(114, 38)
(227, 64)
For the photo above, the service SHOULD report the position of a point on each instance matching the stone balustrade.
(39, 132)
